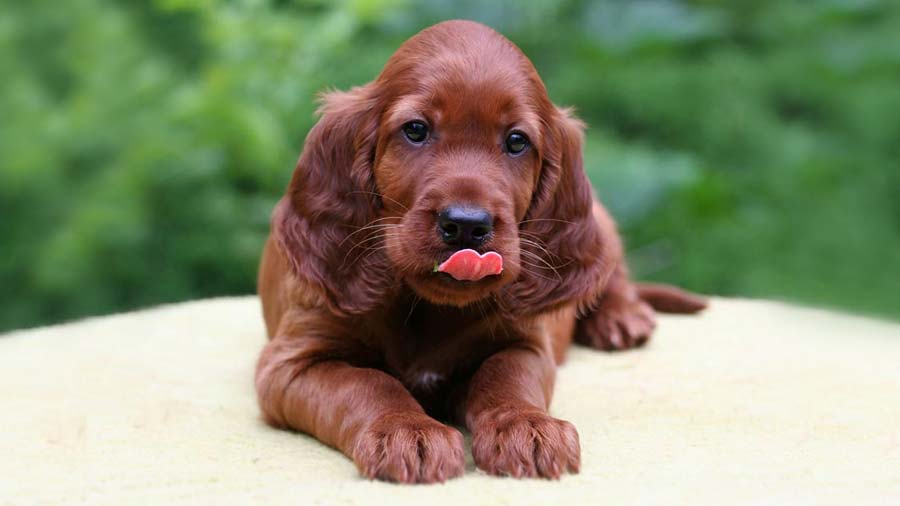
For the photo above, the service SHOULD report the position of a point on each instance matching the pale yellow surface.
(751, 403)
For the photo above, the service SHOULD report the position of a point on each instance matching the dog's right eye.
(415, 131)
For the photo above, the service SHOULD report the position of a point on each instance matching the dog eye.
(516, 143)
(415, 131)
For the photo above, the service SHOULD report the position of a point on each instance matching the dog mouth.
(446, 275)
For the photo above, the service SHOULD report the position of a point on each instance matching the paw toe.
(617, 326)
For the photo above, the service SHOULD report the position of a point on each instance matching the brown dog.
(383, 319)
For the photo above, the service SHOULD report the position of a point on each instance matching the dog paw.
(525, 444)
(410, 449)
(617, 325)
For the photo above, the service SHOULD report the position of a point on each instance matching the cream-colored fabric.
(751, 403)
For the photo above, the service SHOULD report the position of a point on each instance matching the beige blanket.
(751, 403)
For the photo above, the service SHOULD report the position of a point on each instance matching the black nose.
(466, 227)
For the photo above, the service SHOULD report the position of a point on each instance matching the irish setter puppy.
(437, 250)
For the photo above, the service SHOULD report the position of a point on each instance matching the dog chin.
(441, 289)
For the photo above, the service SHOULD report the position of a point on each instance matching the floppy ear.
(331, 195)
(568, 258)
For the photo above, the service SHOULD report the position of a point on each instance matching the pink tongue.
(468, 265)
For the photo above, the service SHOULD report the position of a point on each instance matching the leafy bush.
(747, 148)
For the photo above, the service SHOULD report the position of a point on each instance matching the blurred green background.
(746, 148)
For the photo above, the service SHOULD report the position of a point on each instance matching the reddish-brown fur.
(368, 347)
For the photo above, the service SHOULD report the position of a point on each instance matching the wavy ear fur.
(560, 229)
(331, 195)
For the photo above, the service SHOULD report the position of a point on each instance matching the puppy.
(437, 250)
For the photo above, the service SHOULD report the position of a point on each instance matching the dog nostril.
(450, 229)
(479, 233)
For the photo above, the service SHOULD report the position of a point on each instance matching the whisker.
(411, 309)
(374, 238)
(531, 272)
(381, 234)
(533, 220)
(499, 302)
(374, 229)
(538, 244)
(558, 276)
(534, 236)
(535, 256)
(376, 220)
(379, 196)
(369, 226)
(539, 266)
(485, 318)
(550, 254)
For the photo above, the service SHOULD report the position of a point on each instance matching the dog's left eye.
(516, 143)
(415, 131)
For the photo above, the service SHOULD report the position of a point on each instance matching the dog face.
(458, 159)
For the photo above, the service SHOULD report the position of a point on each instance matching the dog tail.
(671, 299)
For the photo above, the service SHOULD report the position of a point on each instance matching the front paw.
(410, 449)
(617, 324)
(525, 444)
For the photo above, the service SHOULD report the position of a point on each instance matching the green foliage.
(746, 148)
